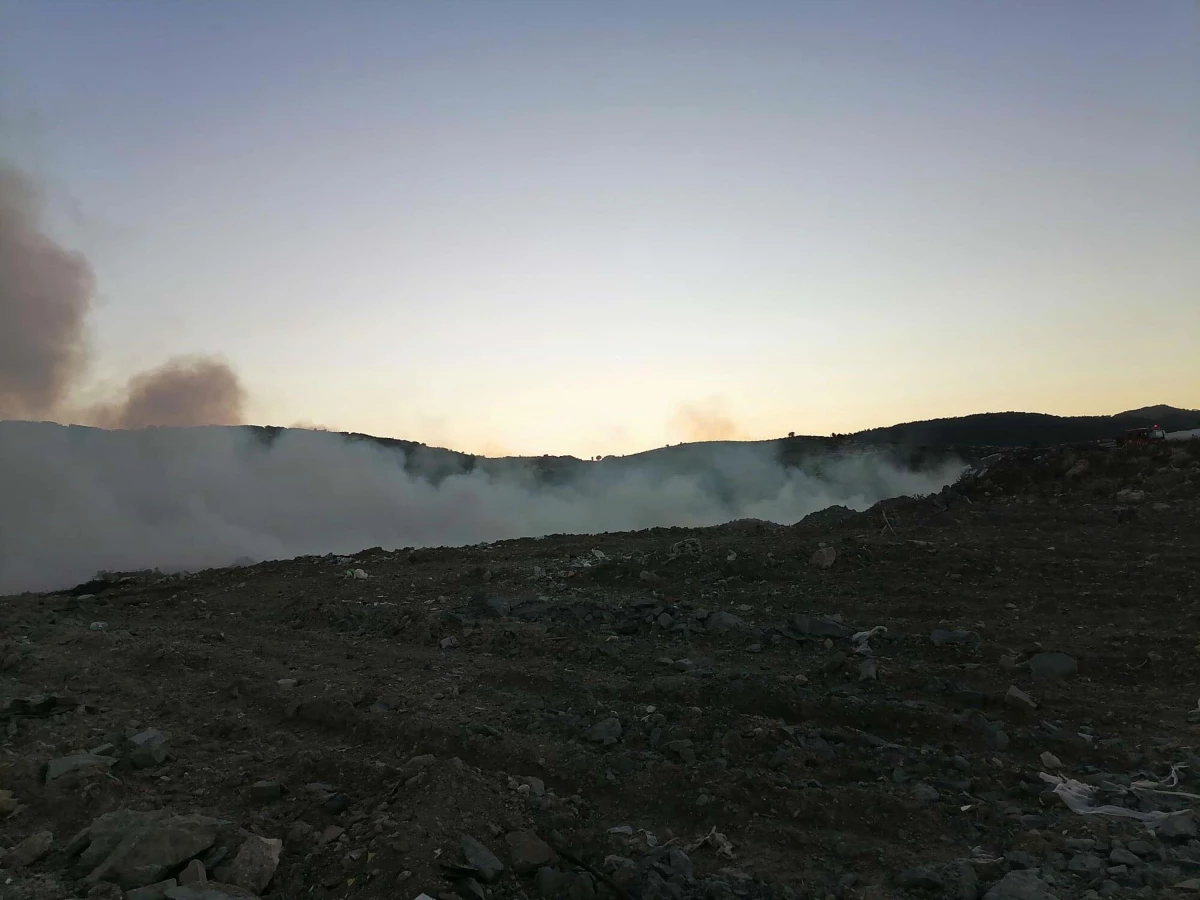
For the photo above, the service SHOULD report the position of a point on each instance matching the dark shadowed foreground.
(668, 714)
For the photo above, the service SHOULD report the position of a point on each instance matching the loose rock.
(528, 852)
(255, 863)
(482, 859)
(29, 851)
(1052, 666)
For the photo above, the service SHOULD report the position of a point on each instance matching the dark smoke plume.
(45, 295)
(183, 391)
(45, 292)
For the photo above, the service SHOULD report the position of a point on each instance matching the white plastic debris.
(99, 626)
(358, 574)
(1080, 799)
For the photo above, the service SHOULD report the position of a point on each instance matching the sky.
(599, 227)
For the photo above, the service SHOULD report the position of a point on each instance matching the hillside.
(912, 443)
(1023, 429)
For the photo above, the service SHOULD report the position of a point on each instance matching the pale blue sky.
(546, 226)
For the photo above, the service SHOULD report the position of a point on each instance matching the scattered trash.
(99, 626)
(1080, 798)
(358, 574)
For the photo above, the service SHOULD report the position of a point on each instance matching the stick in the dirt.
(887, 524)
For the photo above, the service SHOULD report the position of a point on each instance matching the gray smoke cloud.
(45, 292)
(183, 391)
(78, 500)
(45, 297)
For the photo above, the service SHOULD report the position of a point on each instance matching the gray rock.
(152, 891)
(148, 749)
(528, 852)
(1052, 666)
(193, 873)
(823, 557)
(337, 803)
(1018, 699)
(211, 891)
(1122, 857)
(995, 737)
(255, 863)
(1086, 864)
(29, 851)
(266, 791)
(78, 764)
(551, 883)
(1179, 826)
(493, 606)
(1141, 848)
(941, 637)
(665, 620)
(148, 853)
(481, 859)
(835, 662)
(920, 878)
(96, 842)
(1021, 859)
(680, 863)
(723, 621)
(819, 626)
(606, 731)
(926, 793)
(1022, 884)
(966, 881)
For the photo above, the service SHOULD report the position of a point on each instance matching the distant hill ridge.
(911, 444)
(1023, 429)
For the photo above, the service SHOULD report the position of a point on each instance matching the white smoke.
(78, 500)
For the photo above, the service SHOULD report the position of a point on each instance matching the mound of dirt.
(936, 710)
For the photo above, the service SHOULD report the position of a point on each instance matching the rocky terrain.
(988, 693)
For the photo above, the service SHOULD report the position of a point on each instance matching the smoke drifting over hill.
(78, 500)
(45, 297)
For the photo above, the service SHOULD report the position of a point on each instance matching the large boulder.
(148, 852)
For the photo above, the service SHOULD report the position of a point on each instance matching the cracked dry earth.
(665, 714)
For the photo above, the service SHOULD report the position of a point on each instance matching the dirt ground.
(675, 713)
